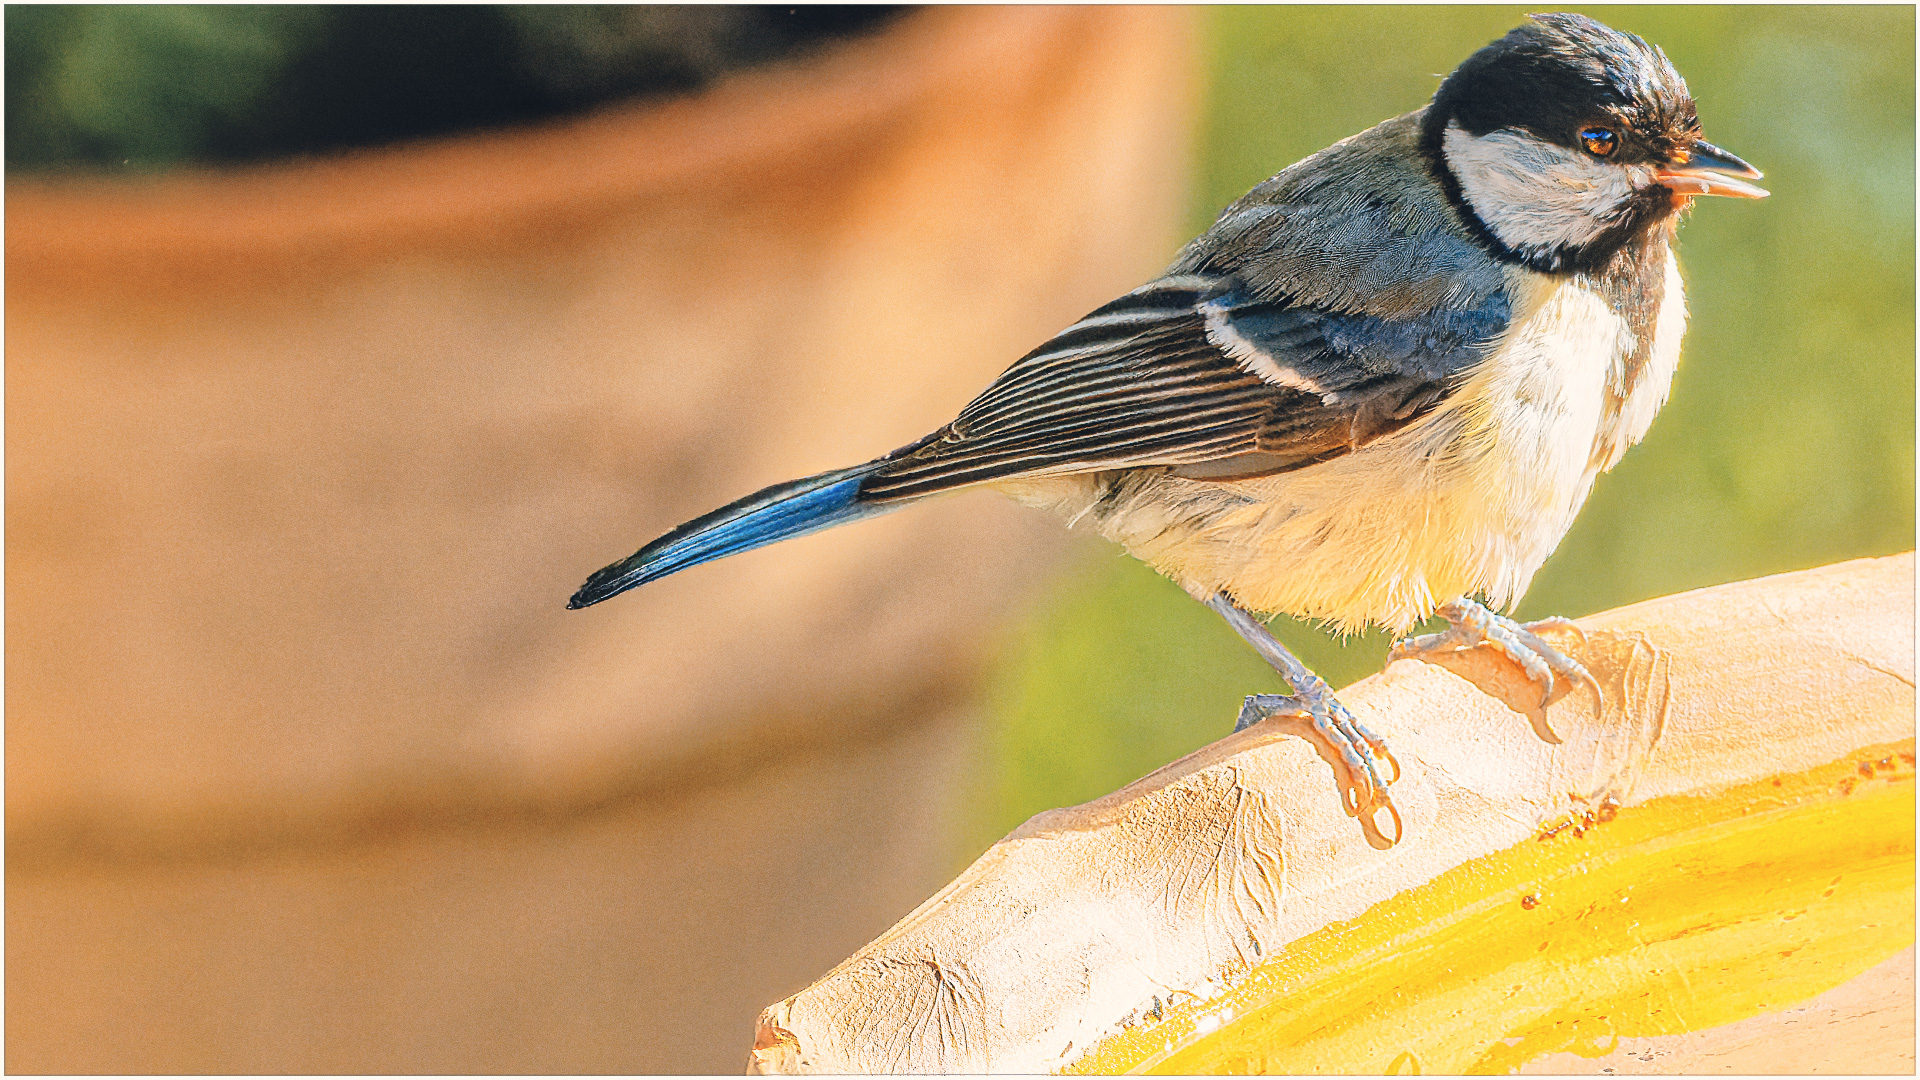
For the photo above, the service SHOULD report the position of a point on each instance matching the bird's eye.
(1598, 141)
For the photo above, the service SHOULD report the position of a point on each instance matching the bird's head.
(1565, 140)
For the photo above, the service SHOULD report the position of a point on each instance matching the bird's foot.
(1364, 791)
(1357, 751)
(1469, 624)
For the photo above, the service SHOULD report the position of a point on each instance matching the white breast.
(1472, 498)
(1641, 396)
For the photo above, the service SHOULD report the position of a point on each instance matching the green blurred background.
(1788, 441)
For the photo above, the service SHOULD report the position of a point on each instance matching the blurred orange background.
(309, 771)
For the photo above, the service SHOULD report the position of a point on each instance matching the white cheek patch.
(1535, 196)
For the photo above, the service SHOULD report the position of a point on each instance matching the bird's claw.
(1469, 624)
(1363, 790)
(1358, 751)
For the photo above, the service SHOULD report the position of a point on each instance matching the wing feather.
(1191, 374)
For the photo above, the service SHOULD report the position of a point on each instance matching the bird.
(1381, 384)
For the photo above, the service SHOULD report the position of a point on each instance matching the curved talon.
(1391, 760)
(1576, 668)
(1399, 826)
(1593, 684)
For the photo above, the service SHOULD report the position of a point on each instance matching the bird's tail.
(784, 510)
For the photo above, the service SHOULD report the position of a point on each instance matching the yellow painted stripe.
(1679, 914)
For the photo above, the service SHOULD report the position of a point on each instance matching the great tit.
(1385, 379)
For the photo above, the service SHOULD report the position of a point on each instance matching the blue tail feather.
(776, 513)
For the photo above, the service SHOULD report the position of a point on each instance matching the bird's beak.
(1705, 169)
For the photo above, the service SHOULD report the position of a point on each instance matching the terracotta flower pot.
(307, 768)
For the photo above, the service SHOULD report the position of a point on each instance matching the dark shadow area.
(145, 87)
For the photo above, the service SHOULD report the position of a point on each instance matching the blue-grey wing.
(1197, 375)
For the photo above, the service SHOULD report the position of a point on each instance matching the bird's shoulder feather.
(1363, 226)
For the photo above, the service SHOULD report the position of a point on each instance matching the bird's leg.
(1469, 624)
(1360, 750)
